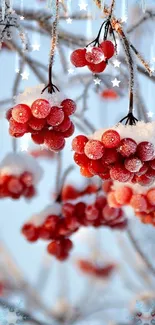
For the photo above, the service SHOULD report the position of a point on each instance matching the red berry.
(123, 195)
(71, 223)
(110, 139)
(78, 58)
(107, 48)
(94, 55)
(96, 167)
(81, 159)
(152, 164)
(91, 212)
(54, 248)
(40, 108)
(100, 203)
(111, 199)
(106, 186)
(138, 203)
(119, 173)
(68, 209)
(110, 156)
(144, 180)
(29, 192)
(69, 193)
(56, 116)
(127, 147)
(53, 140)
(16, 127)
(150, 173)
(51, 223)
(80, 209)
(30, 232)
(78, 143)
(27, 179)
(151, 196)
(8, 114)
(133, 164)
(142, 170)
(69, 132)
(38, 138)
(64, 126)
(85, 172)
(97, 68)
(21, 113)
(94, 149)
(105, 175)
(14, 185)
(145, 151)
(37, 124)
(68, 106)
(109, 213)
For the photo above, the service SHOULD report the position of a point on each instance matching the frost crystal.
(9, 22)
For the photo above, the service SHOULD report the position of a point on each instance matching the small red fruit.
(110, 139)
(78, 143)
(108, 49)
(21, 113)
(40, 108)
(78, 58)
(94, 149)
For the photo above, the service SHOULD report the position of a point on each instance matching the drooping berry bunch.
(95, 58)
(141, 199)
(19, 175)
(95, 270)
(58, 222)
(46, 117)
(120, 158)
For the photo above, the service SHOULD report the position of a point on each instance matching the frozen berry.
(21, 113)
(133, 164)
(16, 127)
(91, 212)
(144, 180)
(14, 185)
(152, 164)
(78, 58)
(145, 150)
(64, 126)
(30, 232)
(56, 116)
(9, 114)
(142, 170)
(123, 194)
(40, 108)
(119, 173)
(151, 196)
(110, 139)
(68, 106)
(97, 68)
(107, 48)
(94, 55)
(38, 138)
(68, 133)
(150, 173)
(53, 140)
(111, 156)
(127, 147)
(106, 186)
(109, 213)
(96, 167)
(85, 172)
(37, 124)
(79, 143)
(138, 202)
(94, 149)
(81, 159)
(111, 199)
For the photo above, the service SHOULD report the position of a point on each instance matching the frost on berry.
(53, 140)
(96, 167)
(112, 201)
(69, 132)
(79, 143)
(68, 106)
(64, 126)
(110, 139)
(151, 196)
(81, 159)
(123, 195)
(119, 173)
(133, 164)
(78, 58)
(40, 108)
(138, 202)
(56, 116)
(107, 48)
(127, 147)
(145, 150)
(21, 113)
(111, 156)
(97, 68)
(16, 127)
(94, 149)
(37, 124)
(94, 55)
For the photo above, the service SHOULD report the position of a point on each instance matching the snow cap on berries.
(39, 218)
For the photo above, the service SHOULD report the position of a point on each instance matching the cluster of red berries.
(98, 271)
(114, 158)
(95, 58)
(17, 186)
(57, 228)
(143, 204)
(48, 125)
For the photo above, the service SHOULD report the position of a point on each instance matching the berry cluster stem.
(51, 87)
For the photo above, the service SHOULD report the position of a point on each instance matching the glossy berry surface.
(78, 58)
(21, 113)
(110, 139)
